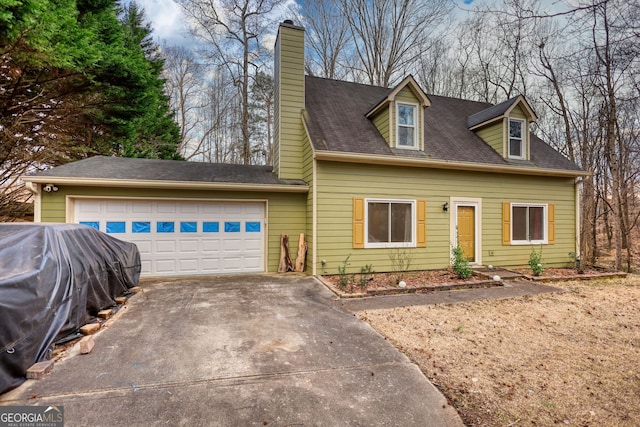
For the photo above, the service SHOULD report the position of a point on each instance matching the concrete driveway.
(261, 350)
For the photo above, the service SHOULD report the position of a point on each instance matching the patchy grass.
(570, 358)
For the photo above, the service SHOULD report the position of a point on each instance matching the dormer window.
(517, 148)
(406, 125)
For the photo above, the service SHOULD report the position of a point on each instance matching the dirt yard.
(570, 358)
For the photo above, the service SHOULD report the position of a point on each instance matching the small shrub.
(342, 271)
(460, 263)
(535, 261)
(366, 274)
(401, 259)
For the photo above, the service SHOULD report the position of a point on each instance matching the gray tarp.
(54, 278)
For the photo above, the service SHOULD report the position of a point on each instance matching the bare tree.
(389, 35)
(263, 93)
(184, 80)
(327, 36)
(233, 31)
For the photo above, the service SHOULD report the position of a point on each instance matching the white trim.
(523, 138)
(412, 244)
(174, 185)
(454, 202)
(416, 143)
(376, 159)
(545, 224)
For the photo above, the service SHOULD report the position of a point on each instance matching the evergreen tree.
(76, 81)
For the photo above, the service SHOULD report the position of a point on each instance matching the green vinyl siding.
(518, 113)
(381, 122)
(286, 212)
(307, 176)
(407, 95)
(494, 136)
(338, 183)
(289, 102)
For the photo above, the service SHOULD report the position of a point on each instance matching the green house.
(362, 171)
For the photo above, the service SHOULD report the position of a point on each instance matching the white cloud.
(167, 21)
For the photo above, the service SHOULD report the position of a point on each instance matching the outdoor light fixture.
(445, 207)
(50, 187)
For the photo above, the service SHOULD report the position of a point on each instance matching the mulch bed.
(560, 274)
(364, 285)
(357, 285)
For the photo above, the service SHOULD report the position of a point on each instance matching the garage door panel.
(165, 247)
(145, 266)
(233, 264)
(253, 245)
(211, 246)
(232, 210)
(166, 266)
(116, 207)
(233, 245)
(166, 208)
(188, 208)
(184, 237)
(90, 207)
(189, 246)
(211, 209)
(144, 246)
(189, 265)
(211, 265)
(141, 207)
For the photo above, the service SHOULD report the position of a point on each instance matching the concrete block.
(121, 300)
(86, 345)
(105, 314)
(39, 370)
(90, 328)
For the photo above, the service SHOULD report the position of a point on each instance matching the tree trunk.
(285, 263)
(302, 254)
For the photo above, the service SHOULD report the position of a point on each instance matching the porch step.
(497, 271)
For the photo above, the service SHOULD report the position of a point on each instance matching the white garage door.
(183, 237)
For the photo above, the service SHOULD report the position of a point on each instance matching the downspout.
(577, 183)
(314, 219)
(37, 201)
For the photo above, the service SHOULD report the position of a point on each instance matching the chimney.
(288, 131)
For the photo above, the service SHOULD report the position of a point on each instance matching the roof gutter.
(182, 185)
(337, 156)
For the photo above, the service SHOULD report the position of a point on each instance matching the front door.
(467, 231)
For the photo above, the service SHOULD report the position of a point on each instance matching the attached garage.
(186, 218)
(178, 237)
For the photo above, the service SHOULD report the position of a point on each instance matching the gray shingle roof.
(336, 122)
(101, 167)
(490, 113)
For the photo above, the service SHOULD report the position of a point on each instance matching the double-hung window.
(407, 118)
(390, 223)
(517, 148)
(528, 223)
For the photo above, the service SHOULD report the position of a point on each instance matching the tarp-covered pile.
(54, 279)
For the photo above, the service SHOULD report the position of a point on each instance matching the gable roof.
(498, 111)
(336, 121)
(409, 82)
(134, 172)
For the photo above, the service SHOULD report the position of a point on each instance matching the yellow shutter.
(421, 226)
(551, 223)
(358, 222)
(506, 223)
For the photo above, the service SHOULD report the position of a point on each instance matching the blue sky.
(168, 21)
